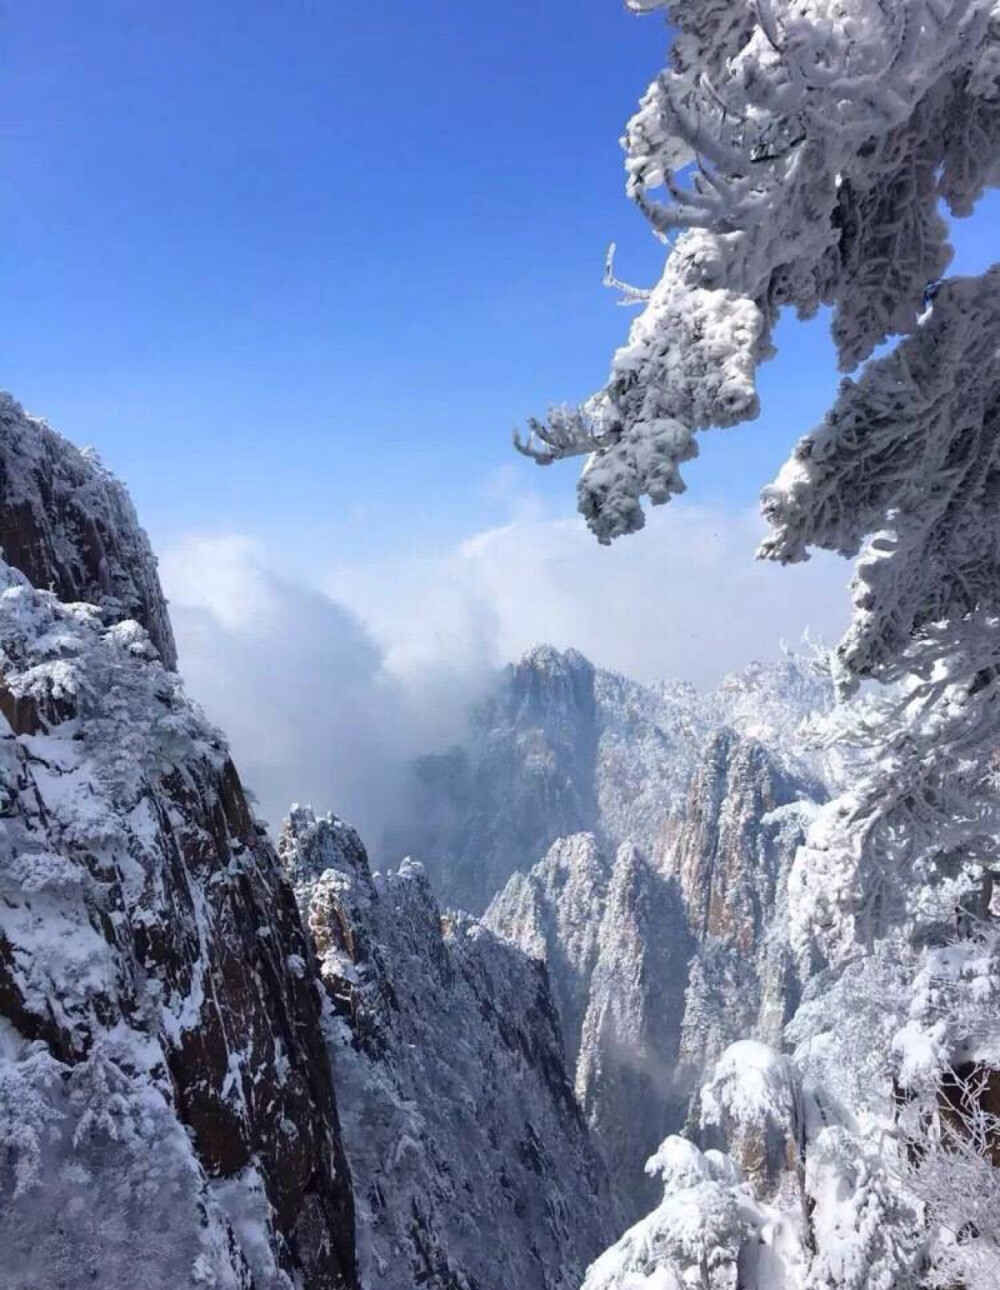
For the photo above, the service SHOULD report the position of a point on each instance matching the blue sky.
(296, 264)
(296, 270)
(299, 268)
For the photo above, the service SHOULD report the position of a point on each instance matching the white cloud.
(684, 598)
(296, 682)
(324, 693)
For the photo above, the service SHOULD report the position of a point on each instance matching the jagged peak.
(575, 870)
(630, 868)
(547, 680)
(310, 846)
(548, 659)
(577, 853)
(69, 525)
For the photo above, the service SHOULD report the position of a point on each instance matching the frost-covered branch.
(567, 432)
(800, 150)
(630, 295)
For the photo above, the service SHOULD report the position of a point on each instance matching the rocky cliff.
(626, 1074)
(561, 747)
(659, 967)
(745, 817)
(472, 1164)
(167, 1115)
(524, 777)
(70, 527)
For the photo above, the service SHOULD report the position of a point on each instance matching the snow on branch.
(911, 453)
(800, 151)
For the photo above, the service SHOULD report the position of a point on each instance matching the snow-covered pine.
(796, 153)
(804, 151)
(911, 454)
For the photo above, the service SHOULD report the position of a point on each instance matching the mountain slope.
(166, 1110)
(560, 748)
(70, 527)
(657, 968)
(471, 1161)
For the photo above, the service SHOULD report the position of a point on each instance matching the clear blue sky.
(296, 269)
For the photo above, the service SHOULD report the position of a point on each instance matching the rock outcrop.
(745, 817)
(613, 936)
(554, 912)
(626, 1074)
(659, 967)
(70, 527)
(472, 1163)
(167, 1114)
(524, 778)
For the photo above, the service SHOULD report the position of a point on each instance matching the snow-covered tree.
(800, 154)
(792, 154)
(804, 154)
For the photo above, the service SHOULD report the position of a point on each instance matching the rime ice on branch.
(798, 152)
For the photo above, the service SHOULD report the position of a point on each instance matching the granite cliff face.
(524, 777)
(625, 1076)
(745, 817)
(561, 747)
(70, 527)
(167, 1115)
(472, 1164)
(471, 1161)
(658, 965)
(554, 913)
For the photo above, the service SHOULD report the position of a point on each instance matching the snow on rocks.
(561, 748)
(154, 1044)
(471, 1162)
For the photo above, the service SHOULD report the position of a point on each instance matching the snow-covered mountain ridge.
(167, 1115)
(560, 747)
(471, 1161)
(171, 1033)
(219, 1054)
(657, 967)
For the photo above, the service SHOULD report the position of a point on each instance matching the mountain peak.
(70, 527)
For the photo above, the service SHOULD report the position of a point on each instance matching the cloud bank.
(685, 598)
(325, 691)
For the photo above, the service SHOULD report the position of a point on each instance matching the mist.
(326, 690)
(300, 687)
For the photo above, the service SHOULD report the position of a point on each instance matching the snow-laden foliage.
(801, 153)
(792, 1198)
(693, 1238)
(911, 453)
(798, 151)
(911, 841)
